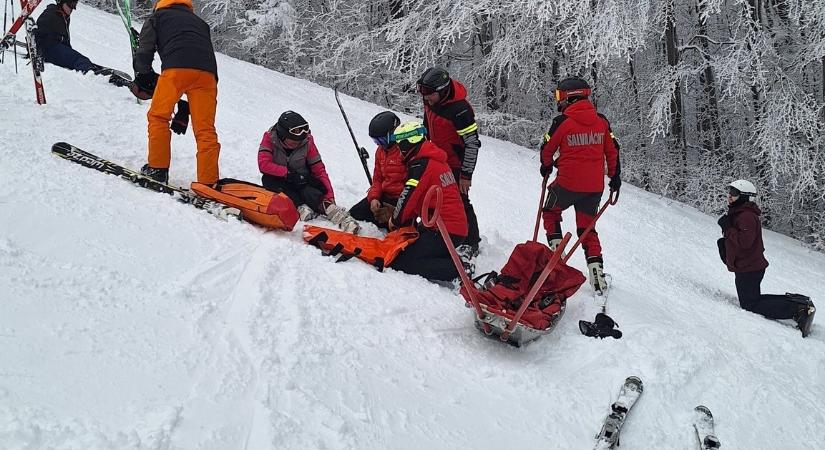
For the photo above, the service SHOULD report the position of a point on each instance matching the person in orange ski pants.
(188, 66)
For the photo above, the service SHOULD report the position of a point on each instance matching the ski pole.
(541, 204)
(362, 152)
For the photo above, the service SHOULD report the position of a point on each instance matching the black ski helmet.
(291, 125)
(434, 79)
(572, 88)
(383, 124)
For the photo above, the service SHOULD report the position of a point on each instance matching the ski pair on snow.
(86, 159)
(608, 437)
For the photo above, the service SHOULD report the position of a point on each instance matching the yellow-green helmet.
(409, 134)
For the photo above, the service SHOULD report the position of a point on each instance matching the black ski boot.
(804, 317)
(161, 175)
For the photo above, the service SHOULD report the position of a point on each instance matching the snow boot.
(161, 175)
(466, 254)
(595, 271)
(340, 217)
(306, 213)
(553, 241)
(804, 317)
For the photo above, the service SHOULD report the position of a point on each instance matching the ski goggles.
(563, 95)
(383, 141)
(423, 89)
(300, 130)
(733, 192)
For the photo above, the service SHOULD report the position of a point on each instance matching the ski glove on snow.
(181, 120)
(724, 222)
(615, 183)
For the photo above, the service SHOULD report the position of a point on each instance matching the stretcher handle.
(554, 260)
(541, 205)
(436, 221)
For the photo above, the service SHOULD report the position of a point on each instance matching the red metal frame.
(436, 221)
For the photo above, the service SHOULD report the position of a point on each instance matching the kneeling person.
(389, 174)
(427, 167)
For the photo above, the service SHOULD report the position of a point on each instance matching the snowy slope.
(130, 321)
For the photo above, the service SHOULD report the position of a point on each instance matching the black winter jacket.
(180, 37)
(52, 28)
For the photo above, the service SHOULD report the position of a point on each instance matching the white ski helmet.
(744, 187)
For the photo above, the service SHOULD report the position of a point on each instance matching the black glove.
(545, 170)
(615, 183)
(135, 34)
(724, 222)
(146, 82)
(297, 179)
(720, 243)
(181, 120)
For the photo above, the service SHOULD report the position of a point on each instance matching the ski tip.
(703, 409)
(61, 147)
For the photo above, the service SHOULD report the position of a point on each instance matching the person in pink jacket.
(290, 163)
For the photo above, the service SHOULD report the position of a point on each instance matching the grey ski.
(608, 437)
(703, 425)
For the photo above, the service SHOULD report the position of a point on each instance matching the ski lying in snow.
(86, 159)
(608, 437)
(703, 424)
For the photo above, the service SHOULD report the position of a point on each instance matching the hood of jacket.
(582, 112)
(167, 3)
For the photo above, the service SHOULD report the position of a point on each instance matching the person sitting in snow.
(53, 41)
(743, 252)
(290, 163)
(389, 174)
(426, 167)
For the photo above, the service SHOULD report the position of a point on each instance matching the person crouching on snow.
(290, 163)
(389, 174)
(426, 167)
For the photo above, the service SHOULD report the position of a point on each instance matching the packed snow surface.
(128, 320)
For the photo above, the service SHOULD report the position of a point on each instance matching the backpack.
(503, 293)
(257, 204)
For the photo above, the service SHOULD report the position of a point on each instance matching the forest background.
(698, 92)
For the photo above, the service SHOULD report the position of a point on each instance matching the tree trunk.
(484, 25)
(639, 143)
(677, 135)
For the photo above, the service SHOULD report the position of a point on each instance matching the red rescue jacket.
(744, 250)
(389, 174)
(425, 169)
(584, 141)
(448, 123)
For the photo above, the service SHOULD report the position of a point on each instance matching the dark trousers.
(748, 287)
(473, 237)
(362, 211)
(586, 205)
(62, 55)
(310, 194)
(428, 257)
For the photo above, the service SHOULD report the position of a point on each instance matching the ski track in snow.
(128, 320)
